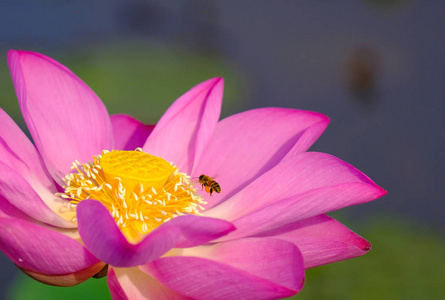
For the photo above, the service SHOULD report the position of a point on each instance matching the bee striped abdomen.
(216, 187)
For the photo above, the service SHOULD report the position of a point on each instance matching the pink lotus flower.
(68, 207)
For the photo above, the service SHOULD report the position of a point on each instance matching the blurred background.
(375, 67)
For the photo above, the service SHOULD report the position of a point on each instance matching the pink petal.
(132, 283)
(322, 240)
(309, 137)
(268, 258)
(101, 235)
(64, 116)
(303, 206)
(42, 250)
(17, 151)
(243, 269)
(116, 291)
(15, 190)
(308, 184)
(247, 144)
(183, 132)
(7, 210)
(129, 133)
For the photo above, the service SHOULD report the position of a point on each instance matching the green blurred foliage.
(143, 79)
(8, 99)
(29, 289)
(406, 262)
(139, 78)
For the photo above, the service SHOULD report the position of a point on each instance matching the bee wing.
(195, 181)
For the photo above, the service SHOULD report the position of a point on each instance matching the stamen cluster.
(136, 208)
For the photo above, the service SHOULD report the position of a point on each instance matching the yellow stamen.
(140, 190)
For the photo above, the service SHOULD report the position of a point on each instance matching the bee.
(209, 184)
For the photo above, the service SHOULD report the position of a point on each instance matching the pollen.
(141, 191)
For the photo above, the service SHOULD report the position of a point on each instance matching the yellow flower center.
(140, 190)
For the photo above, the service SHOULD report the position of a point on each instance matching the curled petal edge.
(65, 280)
(104, 239)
